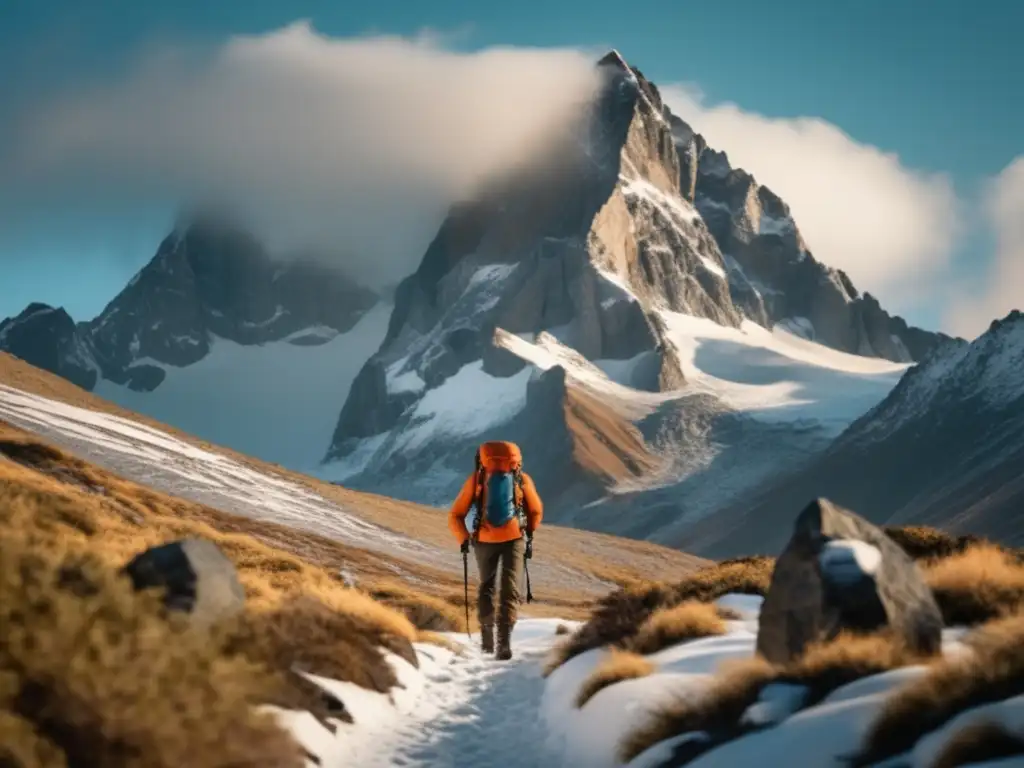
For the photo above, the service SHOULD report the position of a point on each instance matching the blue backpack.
(501, 499)
(498, 475)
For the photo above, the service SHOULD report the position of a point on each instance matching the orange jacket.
(487, 533)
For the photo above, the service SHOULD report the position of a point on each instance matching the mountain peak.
(614, 59)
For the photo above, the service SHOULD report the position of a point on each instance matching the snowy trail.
(457, 711)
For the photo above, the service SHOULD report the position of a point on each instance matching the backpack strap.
(479, 474)
(517, 476)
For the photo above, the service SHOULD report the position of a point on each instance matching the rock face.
(774, 277)
(628, 217)
(199, 580)
(839, 572)
(209, 280)
(944, 449)
(47, 338)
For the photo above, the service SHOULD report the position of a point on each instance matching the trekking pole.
(529, 592)
(527, 554)
(465, 584)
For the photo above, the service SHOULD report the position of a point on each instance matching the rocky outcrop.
(841, 573)
(773, 275)
(208, 280)
(577, 447)
(196, 578)
(584, 244)
(48, 338)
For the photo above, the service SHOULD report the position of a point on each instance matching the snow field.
(278, 402)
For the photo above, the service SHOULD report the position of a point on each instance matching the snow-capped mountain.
(609, 308)
(220, 339)
(586, 262)
(945, 447)
(644, 319)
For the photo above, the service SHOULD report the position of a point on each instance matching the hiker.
(506, 512)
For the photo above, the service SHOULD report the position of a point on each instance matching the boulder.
(839, 572)
(198, 578)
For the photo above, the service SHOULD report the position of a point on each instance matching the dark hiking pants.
(509, 555)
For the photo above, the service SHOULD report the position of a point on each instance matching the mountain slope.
(217, 337)
(945, 447)
(586, 261)
(409, 540)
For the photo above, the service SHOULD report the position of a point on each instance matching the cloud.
(1002, 290)
(354, 145)
(891, 228)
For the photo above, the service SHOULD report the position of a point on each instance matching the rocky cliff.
(628, 217)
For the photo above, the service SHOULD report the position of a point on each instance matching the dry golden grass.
(981, 583)
(686, 621)
(620, 615)
(300, 614)
(618, 666)
(22, 747)
(993, 673)
(978, 744)
(719, 710)
(92, 673)
(426, 612)
(925, 543)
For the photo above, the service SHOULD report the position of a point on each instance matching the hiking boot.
(504, 645)
(487, 639)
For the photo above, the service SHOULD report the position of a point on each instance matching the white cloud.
(355, 144)
(889, 227)
(1003, 288)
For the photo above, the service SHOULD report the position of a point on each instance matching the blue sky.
(936, 83)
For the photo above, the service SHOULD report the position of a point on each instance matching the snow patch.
(798, 326)
(847, 561)
(467, 403)
(770, 225)
(673, 206)
(399, 380)
(778, 376)
(278, 402)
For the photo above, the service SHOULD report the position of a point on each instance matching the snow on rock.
(442, 413)
(847, 561)
(401, 378)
